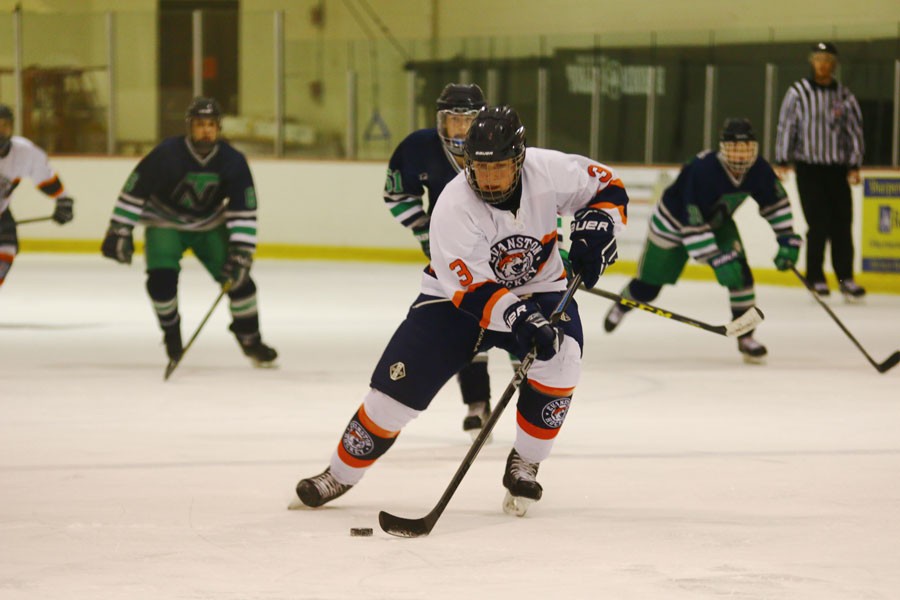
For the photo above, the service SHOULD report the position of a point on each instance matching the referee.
(820, 132)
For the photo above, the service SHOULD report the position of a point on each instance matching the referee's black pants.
(828, 209)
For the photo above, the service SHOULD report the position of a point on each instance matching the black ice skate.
(172, 339)
(614, 317)
(853, 292)
(262, 355)
(316, 491)
(479, 413)
(521, 484)
(752, 351)
(821, 289)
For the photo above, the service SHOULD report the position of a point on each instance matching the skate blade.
(516, 505)
(754, 360)
(854, 299)
(264, 365)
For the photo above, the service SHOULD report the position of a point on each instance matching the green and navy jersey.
(419, 164)
(705, 196)
(174, 187)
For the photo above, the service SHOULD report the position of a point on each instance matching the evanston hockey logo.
(357, 441)
(515, 260)
(554, 413)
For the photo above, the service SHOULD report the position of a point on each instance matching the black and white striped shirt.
(819, 125)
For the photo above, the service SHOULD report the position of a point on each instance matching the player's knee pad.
(162, 284)
(560, 372)
(372, 430)
(642, 291)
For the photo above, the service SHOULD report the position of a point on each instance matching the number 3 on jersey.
(600, 173)
(462, 271)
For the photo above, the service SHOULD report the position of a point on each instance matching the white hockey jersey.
(26, 160)
(483, 258)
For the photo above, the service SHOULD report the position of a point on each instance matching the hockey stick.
(403, 527)
(34, 220)
(173, 364)
(743, 324)
(881, 367)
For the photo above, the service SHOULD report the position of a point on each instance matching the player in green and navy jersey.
(193, 192)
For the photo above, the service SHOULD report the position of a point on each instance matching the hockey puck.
(361, 531)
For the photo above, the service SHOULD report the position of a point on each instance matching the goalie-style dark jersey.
(174, 187)
(418, 164)
(705, 195)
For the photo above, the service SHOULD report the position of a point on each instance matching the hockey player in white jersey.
(496, 275)
(20, 158)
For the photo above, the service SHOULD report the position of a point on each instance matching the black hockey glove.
(421, 234)
(593, 246)
(118, 243)
(237, 265)
(63, 212)
(532, 329)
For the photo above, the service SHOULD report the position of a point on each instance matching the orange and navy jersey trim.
(52, 187)
(479, 299)
(612, 197)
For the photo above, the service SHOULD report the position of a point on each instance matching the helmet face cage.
(738, 147)
(496, 135)
(456, 109)
(739, 156)
(459, 119)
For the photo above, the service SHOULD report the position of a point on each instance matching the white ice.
(681, 473)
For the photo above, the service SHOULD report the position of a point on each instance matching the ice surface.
(681, 473)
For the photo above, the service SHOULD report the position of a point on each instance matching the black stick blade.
(890, 363)
(401, 527)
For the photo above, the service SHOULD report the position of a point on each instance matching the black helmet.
(738, 147)
(6, 112)
(461, 97)
(496, 134)
(737, 130)
(201, 107)
(826, 47)
(459, 102)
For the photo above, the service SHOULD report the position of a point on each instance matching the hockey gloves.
(118, 243)
(788, 251)
(421, 234)
(593, 246)
(237, 265)
(63, 212)
(728, 269)
(532, 330)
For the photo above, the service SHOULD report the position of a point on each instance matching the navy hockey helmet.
(456, 108)
(201, 107)
(6, 112)
(496, 136)
(738, 147)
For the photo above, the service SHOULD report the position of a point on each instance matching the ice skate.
(172, 340)
(614, 317)
(752, 351)
(316, 491)
(263, 356)
(821, 289)
(479, 413)
(521, 484)
(853, 292)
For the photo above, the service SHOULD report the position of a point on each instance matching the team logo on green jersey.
(197, 192)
